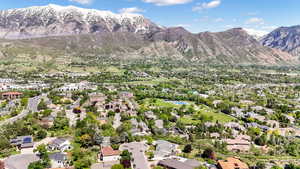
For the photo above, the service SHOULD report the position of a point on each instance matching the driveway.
(137, 149)
(20, 161)
(27, 151)
(117, 121)
(106, 165)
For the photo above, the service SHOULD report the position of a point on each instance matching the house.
(234, 125)
(97, 97)
(47, 121)
(139, 128)
(59, 160)
(109, 154)
(164, 149)
(150, 115)
(215, 135)
(273, 123)
(241, 143)
(176, 164)
(60, 144)
(23, 142)
(255, 116)
(291, 119)
(11, 95)
(125, 95)
(159, 124)
(255, 125)
(178, 132)
(232, 163)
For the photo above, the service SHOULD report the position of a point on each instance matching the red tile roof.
(232, 163)
(11, 93)
(108, 151)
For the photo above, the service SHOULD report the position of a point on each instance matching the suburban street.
(20, 161)
(31, 107)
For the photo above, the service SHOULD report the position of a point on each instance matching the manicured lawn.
(159, 103)
(218, 116)
(207, 111)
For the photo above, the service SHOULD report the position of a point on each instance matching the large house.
(232, 163)
(109, 154)
(164, 149)
(60, 144)
(59, 160)
(176, 164)
(22, 142)
(11, 95)
(241, 143)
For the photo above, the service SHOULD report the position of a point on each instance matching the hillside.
(63, 35)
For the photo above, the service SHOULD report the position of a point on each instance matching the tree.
(291, 166)
(276, 167)
(36, 165)
(158, 167)
(4, 143)
(261, 140)
(187, 148)
(97, 139)
(260, 165)
(86, 140)
(117, 166)
(41, 134)
(126, 159)
(44, 155)
(42, 105)
(209, 153)
(61, 123)
(77, 110)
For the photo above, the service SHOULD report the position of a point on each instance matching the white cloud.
(207, 5)
(219, 20)
(270, 28)
(255, 21)
(256, 33)
(131, 10)
(167, 2)
(84, 2)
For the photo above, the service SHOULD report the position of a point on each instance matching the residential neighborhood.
(166, 125)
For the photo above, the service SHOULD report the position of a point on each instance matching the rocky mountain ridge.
(72, 32)
(54, 20)
(284, 38)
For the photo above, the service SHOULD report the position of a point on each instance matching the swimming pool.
(178, 102)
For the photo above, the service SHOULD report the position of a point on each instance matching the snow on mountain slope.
(55, 20)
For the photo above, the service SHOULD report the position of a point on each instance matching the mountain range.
(284, 38)
(60, 34)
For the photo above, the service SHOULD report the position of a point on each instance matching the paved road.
(31, 107)
(117, 120)
(20, 161)
(138, 154)
(33, 104)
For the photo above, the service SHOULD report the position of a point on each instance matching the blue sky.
(194, 15)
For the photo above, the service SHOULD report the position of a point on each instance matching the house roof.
(172, 163)
(58, 141)
(12, 93)
(232, 163)
(58, 156)
(108, 151)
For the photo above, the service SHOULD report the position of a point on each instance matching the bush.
(187, 148)
(41, 134)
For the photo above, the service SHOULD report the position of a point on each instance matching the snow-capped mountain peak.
(63, 20)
